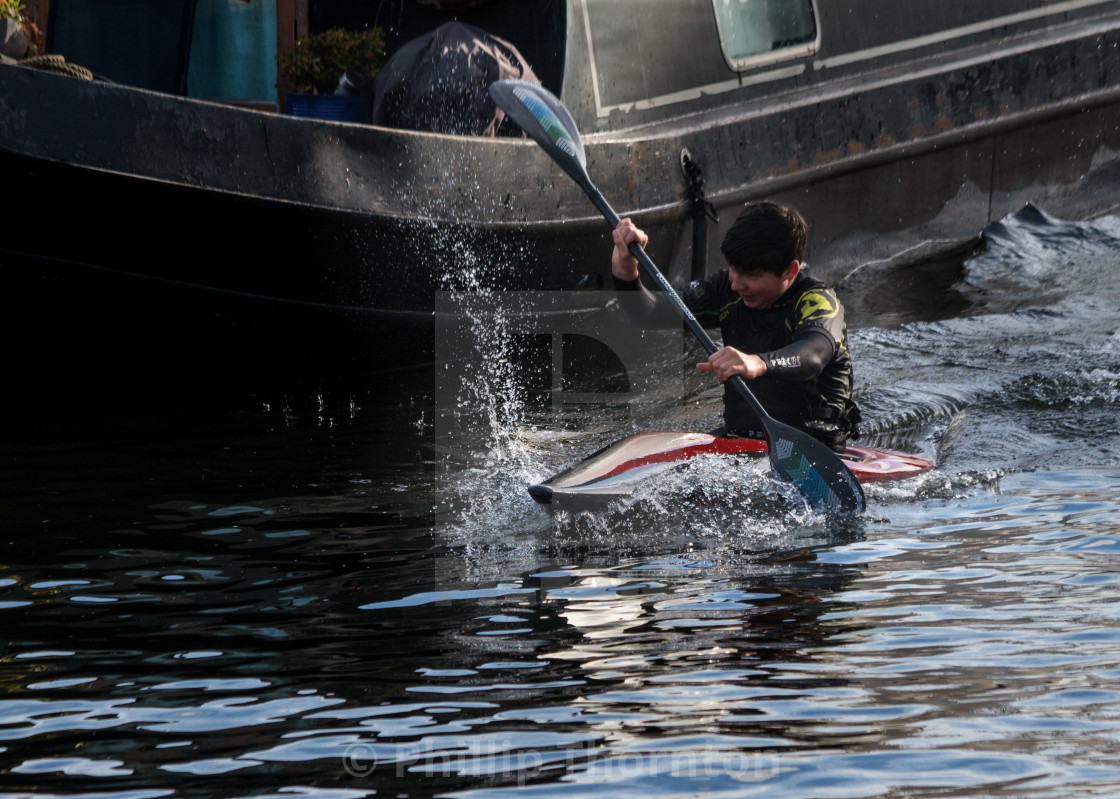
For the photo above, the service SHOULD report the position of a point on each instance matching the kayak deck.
(617, 470)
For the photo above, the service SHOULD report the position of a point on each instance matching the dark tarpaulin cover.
(438, 82)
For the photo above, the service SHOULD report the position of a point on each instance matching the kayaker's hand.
(729, 361)
(624, 266)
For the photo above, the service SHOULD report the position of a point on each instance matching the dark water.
(249, 593)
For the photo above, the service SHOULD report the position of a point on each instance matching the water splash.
(487, 442)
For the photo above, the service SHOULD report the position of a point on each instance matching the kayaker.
(783, 331)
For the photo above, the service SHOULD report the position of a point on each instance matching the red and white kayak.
(616, 471)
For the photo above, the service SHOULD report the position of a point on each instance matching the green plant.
(321, 58)
(12, 9)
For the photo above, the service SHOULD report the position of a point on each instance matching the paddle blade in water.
(545, 120)
(818, 473)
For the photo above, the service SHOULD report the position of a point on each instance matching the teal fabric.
(233, 50)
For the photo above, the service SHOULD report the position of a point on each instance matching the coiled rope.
(56, 63)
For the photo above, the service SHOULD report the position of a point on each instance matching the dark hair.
(765, 237)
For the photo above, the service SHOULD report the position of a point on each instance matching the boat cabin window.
(760, 32)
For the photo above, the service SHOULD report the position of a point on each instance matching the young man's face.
(758, 289)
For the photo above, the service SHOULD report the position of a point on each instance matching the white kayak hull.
(617, 471)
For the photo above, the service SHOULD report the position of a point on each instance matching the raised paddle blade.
(816, 471)
(545, 120)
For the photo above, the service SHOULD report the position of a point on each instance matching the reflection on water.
(249, 595)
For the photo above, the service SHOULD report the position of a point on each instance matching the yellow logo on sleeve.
(815, 305)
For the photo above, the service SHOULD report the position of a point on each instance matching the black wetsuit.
(802, 338)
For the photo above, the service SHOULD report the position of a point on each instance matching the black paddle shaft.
(693, 325)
